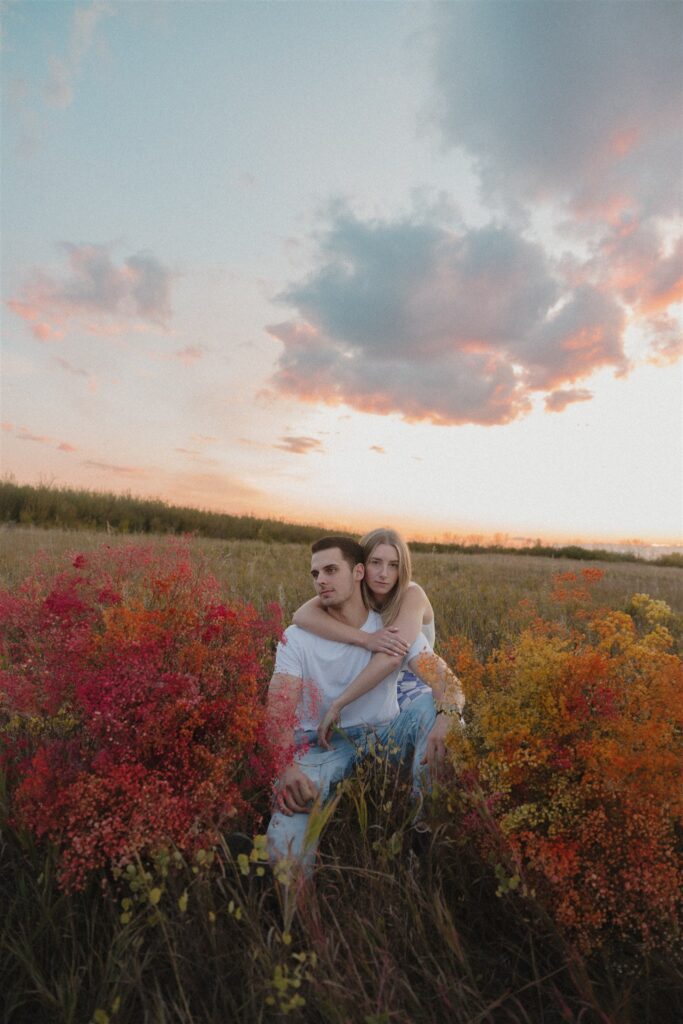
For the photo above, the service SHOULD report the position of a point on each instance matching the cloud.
(454, 327)
(578, 101)
(299, 445)
(27, 435)
(558, 401)
(189, 354)
(63, 71)
(109, 467)
(666, 340)
(130, 296)
(196, 456)
(24, 434)
(76, 371)
(377, 448)
(577, 107)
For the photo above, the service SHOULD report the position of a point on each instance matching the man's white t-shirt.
(327, 668)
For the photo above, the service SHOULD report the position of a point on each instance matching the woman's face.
(381, 570)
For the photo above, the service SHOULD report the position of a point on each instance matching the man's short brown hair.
(351, 550)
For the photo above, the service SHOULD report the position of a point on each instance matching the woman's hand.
(386, 641)
(327, 723)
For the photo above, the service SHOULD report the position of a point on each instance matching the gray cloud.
(109, 467)
(59, 90)
(136, 291)
(448, 326)
(580, 101)
(299, 445)
(140, 285)
(559, 400)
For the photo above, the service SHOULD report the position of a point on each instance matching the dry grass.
(477, 596)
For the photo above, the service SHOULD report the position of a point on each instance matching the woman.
(403, 605)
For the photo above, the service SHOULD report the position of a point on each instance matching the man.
(310, 672)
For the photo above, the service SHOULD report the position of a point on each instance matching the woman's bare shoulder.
(414, 594)
(418, 594)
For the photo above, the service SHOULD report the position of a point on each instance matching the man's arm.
(312, 617)
(377, 669)
(380, 665)
(294, 789)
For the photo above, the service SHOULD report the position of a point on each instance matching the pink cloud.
(109, 467)
(299, 445)
(189, 354)
(26, 435)
(196, 456)
(558, 401)
(6, 425)
(666, 340)
(43, 332)
(99, 295)
(204, 438)
(377, 448)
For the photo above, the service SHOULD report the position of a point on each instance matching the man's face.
(334, 579)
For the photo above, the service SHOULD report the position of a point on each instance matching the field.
(546, 889)
(476, 596)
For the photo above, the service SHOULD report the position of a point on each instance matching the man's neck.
(352, 612)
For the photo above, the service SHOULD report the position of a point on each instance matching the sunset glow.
(350, 263)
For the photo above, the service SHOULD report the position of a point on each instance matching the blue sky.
(353, 263)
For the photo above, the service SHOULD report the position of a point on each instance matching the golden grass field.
(477, 596)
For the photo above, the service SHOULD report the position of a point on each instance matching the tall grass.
(398, 926)
(390, 931)
(477, 596)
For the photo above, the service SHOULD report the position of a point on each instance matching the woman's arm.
(408, 621)
(312, 617)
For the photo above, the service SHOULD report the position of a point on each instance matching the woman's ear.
(358, 571)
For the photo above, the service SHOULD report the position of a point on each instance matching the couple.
(340, 663)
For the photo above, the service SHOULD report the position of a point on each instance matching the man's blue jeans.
(407, 734)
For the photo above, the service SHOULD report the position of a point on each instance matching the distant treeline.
(68, 509)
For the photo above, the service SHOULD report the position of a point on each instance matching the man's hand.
(327, 723)
(386, 641)
(294, 791)
(435, 755)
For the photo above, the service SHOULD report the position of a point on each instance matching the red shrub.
(132, 707)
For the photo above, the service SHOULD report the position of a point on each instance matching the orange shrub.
(570, 767)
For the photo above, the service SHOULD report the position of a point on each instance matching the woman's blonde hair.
(389, 610)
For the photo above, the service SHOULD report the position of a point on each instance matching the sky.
(350, 263)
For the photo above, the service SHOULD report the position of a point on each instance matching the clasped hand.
(386, 641)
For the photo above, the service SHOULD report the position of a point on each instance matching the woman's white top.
(428, 630)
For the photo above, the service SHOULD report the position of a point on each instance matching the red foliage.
(132, 711)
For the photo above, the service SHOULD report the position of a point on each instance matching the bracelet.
(454, 710)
